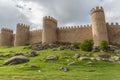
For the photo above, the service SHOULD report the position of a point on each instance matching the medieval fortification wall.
(74, 33)
(113, 33)
(35, 37)
(98, 30)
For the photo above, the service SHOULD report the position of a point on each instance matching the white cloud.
(67, 12)
(112, 11)
(34, 15)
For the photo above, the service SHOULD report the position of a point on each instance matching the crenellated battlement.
(23, 26)
(50, 19)
(97, 9)
(6, 30)
(35, 31)
(75, 27)
(113, 24)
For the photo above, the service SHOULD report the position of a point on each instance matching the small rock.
(65, 57)
(92, 58)
(33, 66)
(17, 54)
(90, 63)
(72, 64)
(38, 47)
(64, 69)
(52, 57)
(112, 48)
(117, 52)
(84, 58)
(52, 45)
(72, 47)
(62, 48)
(14, 54)
(114, 58)
(32, 53)
(76, 56)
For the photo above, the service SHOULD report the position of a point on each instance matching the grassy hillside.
(49, 70)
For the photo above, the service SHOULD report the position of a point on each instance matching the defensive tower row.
(51, 33)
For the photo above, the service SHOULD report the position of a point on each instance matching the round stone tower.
(49, 33)
(99, 28)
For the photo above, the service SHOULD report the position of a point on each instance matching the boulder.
(52, 57)
(102, 56)
(16, 60)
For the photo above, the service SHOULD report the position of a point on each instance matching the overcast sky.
(67, 12)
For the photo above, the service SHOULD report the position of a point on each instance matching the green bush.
(104, 45)
(76, 45)
(87, 45)
(28, 47)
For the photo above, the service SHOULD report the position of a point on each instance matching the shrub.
(76, 45)
(87, 45)
(27, 47)
(104, 45)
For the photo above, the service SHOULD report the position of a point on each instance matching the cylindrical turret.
(99, 28)
(49, 33)
(6, 37)
(22, 35)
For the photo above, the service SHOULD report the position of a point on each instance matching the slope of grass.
(49, 70)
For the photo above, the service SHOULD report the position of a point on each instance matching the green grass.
(49, 70)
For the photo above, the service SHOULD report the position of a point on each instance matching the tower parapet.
(97, 9)
(22, 35)
(6, 37)
(99, 28)
(49, 18)
(49, 33)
